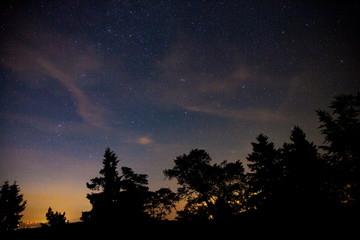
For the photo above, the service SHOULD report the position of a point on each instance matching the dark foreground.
(250, 227)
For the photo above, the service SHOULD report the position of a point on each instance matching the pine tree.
(11, 206)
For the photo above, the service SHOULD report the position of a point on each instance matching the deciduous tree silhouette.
(161, 202)
(341, 128)
(212, 191)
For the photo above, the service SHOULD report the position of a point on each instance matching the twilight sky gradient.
(154, 79)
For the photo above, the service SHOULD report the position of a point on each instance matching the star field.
(155, 80)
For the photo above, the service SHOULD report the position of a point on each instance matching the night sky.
(155, 79)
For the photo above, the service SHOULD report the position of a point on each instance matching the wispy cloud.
(91, 113)
(199, 81)
(251, 114)
(60, 60)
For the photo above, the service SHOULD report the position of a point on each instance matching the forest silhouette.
(296, 181)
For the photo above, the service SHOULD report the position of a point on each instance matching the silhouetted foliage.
(125, 198)
(266, 176)
(104, 204)
(287, 181)
(133, 196)
(294, 181)
(212, 191)
(55, 219)
(303, 175)
(161, 202)
(11, 206)
(341, 129)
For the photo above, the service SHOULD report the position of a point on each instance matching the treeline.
(296, 180)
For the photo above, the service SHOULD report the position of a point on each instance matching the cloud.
(251, 114)
(59, 60)
(144, 140)
(91, 113)
(214, 81)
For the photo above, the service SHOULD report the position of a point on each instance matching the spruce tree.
(265, 176)
(341, 129)
(117, 198)
(55, 219)
(11, 206)
(108, 187)
(303, 175)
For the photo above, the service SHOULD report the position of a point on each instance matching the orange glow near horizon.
(72, 201)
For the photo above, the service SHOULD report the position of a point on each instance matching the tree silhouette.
(265, 178)
(341, 129)
(212, 191)
(124, 198)
(161, 202)
(133, 196)
(104, 204)
(11, 206)
(303, 175)
(55, 219)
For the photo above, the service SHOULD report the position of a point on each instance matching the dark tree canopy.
(133, 196)
(341, 129)
(212, 191)
(124, 198)
(297, 180)
(294, 181)
(161, 203)
(104, 203)
(302, 175)
(11, 206)
(192, 172)
(55, 219)
(266, 174)
(110, 181)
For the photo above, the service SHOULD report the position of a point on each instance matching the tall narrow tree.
(265, 176)
(341, 128)
(303, 174)
(11, 206)
(104, 202)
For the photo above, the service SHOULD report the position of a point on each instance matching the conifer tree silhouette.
(303, 174)
(11, 206)
(265, 177)
(341, 129)
(55, 219)
(104, 203)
